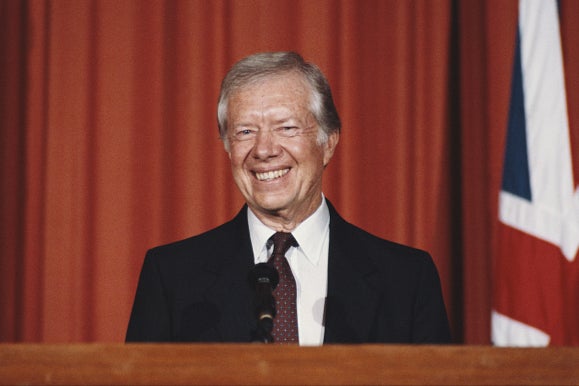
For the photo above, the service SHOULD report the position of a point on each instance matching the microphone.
(263, 279)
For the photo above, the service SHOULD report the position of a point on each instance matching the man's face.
(276, 160)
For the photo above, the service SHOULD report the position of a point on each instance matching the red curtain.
(109, 142)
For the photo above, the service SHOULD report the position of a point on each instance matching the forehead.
(275, 92)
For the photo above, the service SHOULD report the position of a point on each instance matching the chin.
(271, 208)
(271, 205)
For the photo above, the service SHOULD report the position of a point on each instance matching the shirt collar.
(308, 234)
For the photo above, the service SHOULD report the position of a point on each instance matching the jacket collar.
(352, 297)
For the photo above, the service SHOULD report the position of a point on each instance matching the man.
(280, 128)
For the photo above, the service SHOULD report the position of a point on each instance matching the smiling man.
(276, 156)
(337, 283)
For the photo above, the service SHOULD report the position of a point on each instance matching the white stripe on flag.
(511, 332)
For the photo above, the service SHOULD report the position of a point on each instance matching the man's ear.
(330, 146)
(226, 146)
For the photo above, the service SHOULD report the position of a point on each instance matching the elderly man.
(337, 283)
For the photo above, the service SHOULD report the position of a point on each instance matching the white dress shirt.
(309, 265)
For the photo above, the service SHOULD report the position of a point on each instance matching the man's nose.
(266, 144)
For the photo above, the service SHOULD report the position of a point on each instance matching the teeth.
(271, 175)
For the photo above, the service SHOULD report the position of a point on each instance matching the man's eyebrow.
(244, 124)
(293, 120)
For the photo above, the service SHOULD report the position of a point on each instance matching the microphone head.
(263, 273)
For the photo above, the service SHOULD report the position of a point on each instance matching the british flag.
(536, 274)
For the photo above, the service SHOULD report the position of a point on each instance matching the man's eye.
(244, 133)
(288, 131)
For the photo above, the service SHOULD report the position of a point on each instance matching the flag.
(536, 274)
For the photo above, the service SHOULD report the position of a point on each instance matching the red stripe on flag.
(569, 25)
(536, 285)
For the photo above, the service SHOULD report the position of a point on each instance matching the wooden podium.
(251, 364)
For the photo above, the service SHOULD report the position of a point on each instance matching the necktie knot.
(282, 241)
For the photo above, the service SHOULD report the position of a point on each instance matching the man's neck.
(285, 220)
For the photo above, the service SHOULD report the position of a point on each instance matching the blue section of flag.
(516, 167)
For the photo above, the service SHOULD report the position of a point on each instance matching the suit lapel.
(352, 299)
(230, 291)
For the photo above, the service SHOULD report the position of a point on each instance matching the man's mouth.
(271, 175)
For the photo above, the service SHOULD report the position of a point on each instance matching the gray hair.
(262, 65)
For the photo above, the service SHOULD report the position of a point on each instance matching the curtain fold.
(110, 144)
(12, 96)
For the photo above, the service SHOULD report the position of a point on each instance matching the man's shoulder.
(373, 246)
(211, 241)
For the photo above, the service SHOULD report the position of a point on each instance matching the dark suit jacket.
(378, 291)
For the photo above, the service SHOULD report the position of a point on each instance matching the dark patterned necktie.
(285, 325)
